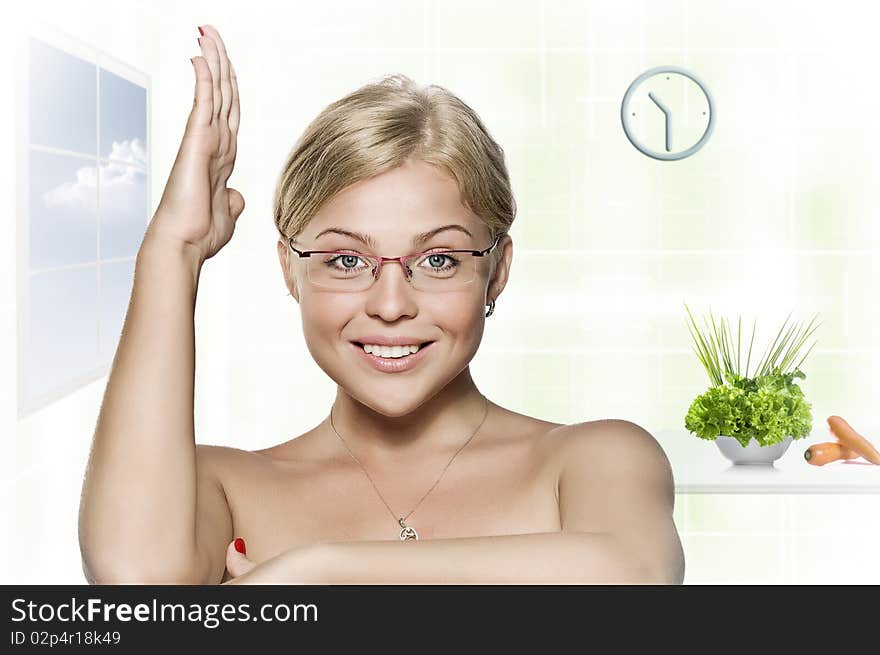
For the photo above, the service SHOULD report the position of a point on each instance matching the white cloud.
(117, 182)
(130, 151)
(74, 194)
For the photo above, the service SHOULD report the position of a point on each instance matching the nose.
(391, 295)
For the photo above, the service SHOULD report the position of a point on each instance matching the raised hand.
(197, 211)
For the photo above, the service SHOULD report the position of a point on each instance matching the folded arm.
(534, 558)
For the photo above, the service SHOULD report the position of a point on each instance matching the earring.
(491, 308)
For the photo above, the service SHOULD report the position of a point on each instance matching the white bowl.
(753, 453)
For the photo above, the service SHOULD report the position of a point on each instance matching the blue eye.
(345, 260)
(432, 258)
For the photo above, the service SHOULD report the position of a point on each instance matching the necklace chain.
(401, 520)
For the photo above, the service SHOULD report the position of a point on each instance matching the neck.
(438, 426)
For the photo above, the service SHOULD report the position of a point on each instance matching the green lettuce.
(766, 408)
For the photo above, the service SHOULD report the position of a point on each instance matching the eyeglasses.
(436, 270)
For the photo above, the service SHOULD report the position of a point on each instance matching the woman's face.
(392, 208)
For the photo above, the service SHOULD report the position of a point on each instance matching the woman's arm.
(615, 478)
(144, 487)
(538, 558)
(137, 512)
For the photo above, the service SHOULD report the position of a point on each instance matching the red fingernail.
(201, 31)
(239, 546)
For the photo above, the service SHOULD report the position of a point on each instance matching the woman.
(415, 476)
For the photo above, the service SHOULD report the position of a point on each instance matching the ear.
(287, 270)
(502, 267)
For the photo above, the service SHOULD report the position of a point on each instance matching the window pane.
(63, 339)
(63, 208)
(123, 210)
(116, 282)
(123, 119)
(63, 97)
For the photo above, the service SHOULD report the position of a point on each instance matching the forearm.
(137, 511)
(540, 558)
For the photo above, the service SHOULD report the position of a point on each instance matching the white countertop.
(699, 467)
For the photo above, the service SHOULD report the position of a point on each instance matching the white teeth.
(390, 351)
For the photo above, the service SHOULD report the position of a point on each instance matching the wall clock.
(686, 115)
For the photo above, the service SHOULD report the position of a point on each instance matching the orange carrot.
(852, 439)
(820, 454)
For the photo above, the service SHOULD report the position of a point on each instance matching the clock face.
(667, 113)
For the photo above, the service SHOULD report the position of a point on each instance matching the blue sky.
(78, 201)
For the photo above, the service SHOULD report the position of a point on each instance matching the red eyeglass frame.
(381, 260)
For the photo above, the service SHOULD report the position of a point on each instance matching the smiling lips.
(392, 364)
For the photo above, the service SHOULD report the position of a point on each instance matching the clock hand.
(666, 113)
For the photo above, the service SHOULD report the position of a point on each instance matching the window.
(83, 207)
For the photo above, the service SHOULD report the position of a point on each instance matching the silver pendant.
(407, 532)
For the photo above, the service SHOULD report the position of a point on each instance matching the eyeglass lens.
(433, 271)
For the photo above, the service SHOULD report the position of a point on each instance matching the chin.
(391, 398)
(392, 410)
(390, 394)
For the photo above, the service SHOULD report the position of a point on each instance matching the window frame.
(49, 35)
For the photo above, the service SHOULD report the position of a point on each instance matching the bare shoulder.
(608, 447)
(616, 435)
(221, 458)
(229, 465)
(223, 463)
(615, 478)
(213, 457)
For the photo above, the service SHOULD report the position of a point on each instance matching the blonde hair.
(380, 126)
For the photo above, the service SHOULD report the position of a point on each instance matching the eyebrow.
(417, 240)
